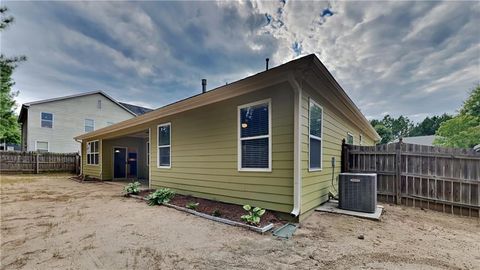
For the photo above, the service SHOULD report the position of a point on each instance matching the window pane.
(254, 121)
(164, 156)
(315, 150)
(47, 124)
(47, 116)
(164, 135)
(88, 159)
(88, 129)
(349, 139)
(95, 158)
(89, 125)
(315, 120)
(255, 153)
(42, 146)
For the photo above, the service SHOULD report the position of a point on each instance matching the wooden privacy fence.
(33, 162)
(442, 179)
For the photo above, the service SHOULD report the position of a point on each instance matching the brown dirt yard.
(51, 222)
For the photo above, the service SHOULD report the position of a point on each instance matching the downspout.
(297, 149)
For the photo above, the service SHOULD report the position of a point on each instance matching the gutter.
(297, 138)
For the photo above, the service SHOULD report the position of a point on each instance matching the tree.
(463, 130)
(390, 128)
(429, 125)
(9, 128)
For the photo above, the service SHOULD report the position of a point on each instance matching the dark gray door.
(119, 162)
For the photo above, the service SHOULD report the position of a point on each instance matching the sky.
(400, 58)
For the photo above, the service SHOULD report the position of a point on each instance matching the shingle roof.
(138, 110)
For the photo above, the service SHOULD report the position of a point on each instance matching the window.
(349, 138)
(148, 154)
(315, 126)
(164, 146)
(360, 139)
(254, 128)
(41, 146)
(47, 120)
(92, 153)
(89, 125)
(99, 104)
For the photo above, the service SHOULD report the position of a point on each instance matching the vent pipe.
(266, 63)
(204, 85)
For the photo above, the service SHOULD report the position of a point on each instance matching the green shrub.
(216, 213)
(159, 196)
(132, 188)
(253, 216)
(192, 205)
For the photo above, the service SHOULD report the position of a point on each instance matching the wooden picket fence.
(442, 179)
(33, 162)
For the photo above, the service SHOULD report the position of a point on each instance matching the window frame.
(310, 169)
(164, 146)
(351, 135)
(36, 146)
(267, 101)
(41, 120)
(85, 125)
(92, 153)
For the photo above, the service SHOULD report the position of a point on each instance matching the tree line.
(461, 130)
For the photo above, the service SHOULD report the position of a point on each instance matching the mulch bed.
(228, 211)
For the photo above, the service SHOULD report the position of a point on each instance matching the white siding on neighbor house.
(69, 120)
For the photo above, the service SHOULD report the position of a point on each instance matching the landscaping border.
(217, 219)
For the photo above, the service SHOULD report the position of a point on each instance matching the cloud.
(410, 58)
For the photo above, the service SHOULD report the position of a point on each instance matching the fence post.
(398, 171)
(344, 157)
(36, 163)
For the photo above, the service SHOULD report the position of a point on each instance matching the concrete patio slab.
(332, 207)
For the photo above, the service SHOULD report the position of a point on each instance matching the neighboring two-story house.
(50, 125)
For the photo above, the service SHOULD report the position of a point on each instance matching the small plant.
(159, 196)
(132, 188)
(216, 213)
(253, 216)
(192, 205)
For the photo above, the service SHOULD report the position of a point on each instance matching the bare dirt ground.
(50, 222)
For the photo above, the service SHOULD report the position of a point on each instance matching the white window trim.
(48, 145)
(310, 102)
(85, 124)
(240, 139)
(46, 120)
(353, 138)
(164, 146)
(86, 153)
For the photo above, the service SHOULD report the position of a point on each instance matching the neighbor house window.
(89, 125)
(41, 146)
(315, 135)
(99, 104)
(47, 120)
(164, 145)
(254, 145)
(349, 138)
(92, 153)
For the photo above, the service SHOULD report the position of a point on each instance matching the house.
(50, 125)
(421, 140)
(272, 140)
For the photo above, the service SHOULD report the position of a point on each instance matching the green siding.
(317, 184)
(91, 170)
(204, 153)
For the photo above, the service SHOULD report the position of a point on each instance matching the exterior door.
(132, 160)
(119, 162)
